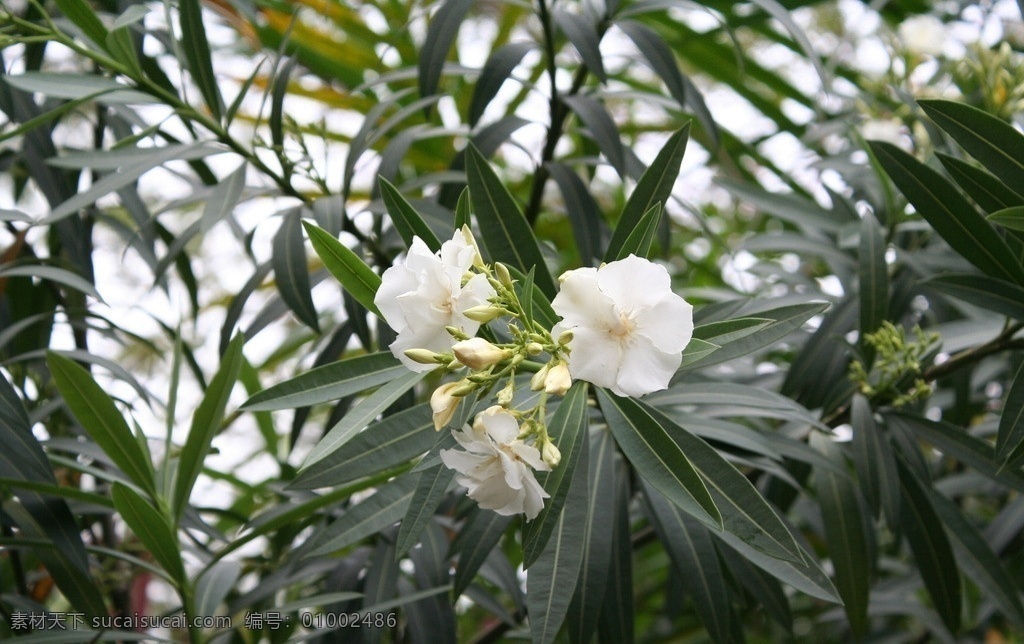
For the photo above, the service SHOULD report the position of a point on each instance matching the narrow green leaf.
(695, 353)
(278, 91)
(952, 216)
(848, 545)
(744, 512)
(655, 186)
(389, 442)
(329, 382)
(659, 56)
(85, 18)
(582, 33)
(874, 460)
(100, 418)
(507, 235)
(995, 143)
(292, 272)
(474, 543)
(616, 618)
(803, 575)
(441, 34)
(362, 415)
(206, 424)
(431, 488)
(1012, 218)
(765, 589)
(874, 276)
(384, 508)
(794, 209)
(602, 128)
(197, 54)
(224, 198)
(987, 292)
(640, 239)
(495, 72)
(214, 584)
(407, 221)
(928, 541)
(355, 276)
(1010, 437)
(778, 11)
(567, 428)
(583, 211)
(152, 527)
(980, 185)
(79, 87)
(657, 458)
(977, 560)
(553, 576)
(596, 540)
(52, 274)
(22, 457)
(784, 320)
(726, 331)
(693, 551)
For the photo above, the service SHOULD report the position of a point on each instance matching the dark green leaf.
(474, 543)
(152, 527)
(874, 276)
(278, 91)
(980, 185)
(1011, 423)
(582, 33)
(657, 458)
(931, 548)
(794, 209)
(407, 221)
(695, 352)
(387, 506)
(355, 276)
(978, 561)
(779, 12)
(583, 211)
(659, 56)
(495, 72)
(432, 485)
(1012, 218)
(553, 576)
(567, 428)
(784, 320)
(596, 540)
(692, 550)
(85, 18)
(206, 424)
(602, 128)
(845, 534)
(615, 621)
(441, 34)
(803, 575)
(874, 460)
(639, 241)
(214, 584)
(507, 235)
(292, 272)
(100, 418)
(655, 186)
(952, 216)
(765, 589)
(389, 442)
(989, 293)
(990, 140)
(197, 54)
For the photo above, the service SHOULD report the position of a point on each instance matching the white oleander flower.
(628, 329)
(496, 467)
(422, 296)
(924, 35)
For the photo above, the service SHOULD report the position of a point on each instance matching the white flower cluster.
(621, 327)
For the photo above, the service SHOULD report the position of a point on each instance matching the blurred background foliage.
(159, 159)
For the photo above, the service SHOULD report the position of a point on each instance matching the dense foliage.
(200, 414)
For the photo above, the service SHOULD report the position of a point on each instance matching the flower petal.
(634, 283)
(595, 357)
(581, 302)
(668, 324)
(645, 369)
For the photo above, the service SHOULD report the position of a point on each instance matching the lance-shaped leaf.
(495, 72)
(783, 321)
(355, 276)
(474, 543)
(292, 272)
(329, 382)
(980, 185)
(803, 575)
(745, 513)
(197, 54)
(1010, 439)
(100, 418)
(84, 17)
(949, 212)
(639, 241)
(656, 457)
(407, 221)
(845, 534)
(205, 424)
(602, 128)
(507, 235)
(931, 548)
(152, 527)
(990, 140)
(874, 276)
(583, 34)
(441, 34)
(655, 186)
(568, 428)
(214, 584)
(1012, 218)
(615, 622)
(987, 292)
(583, 211)
(372, 515)
(431, 488)
(874, 460)
(659, 56)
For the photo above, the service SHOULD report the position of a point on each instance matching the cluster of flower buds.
(610, 334)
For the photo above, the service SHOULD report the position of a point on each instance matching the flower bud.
(503, 275)
(550, 454)
(477, 353)
(467, 234)
(537, 381)
(534, 348)
(422, 356)
(505, 395)
(558, 380)
(484, 313)
(443, 402)
(565, 337)
(456, 333)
